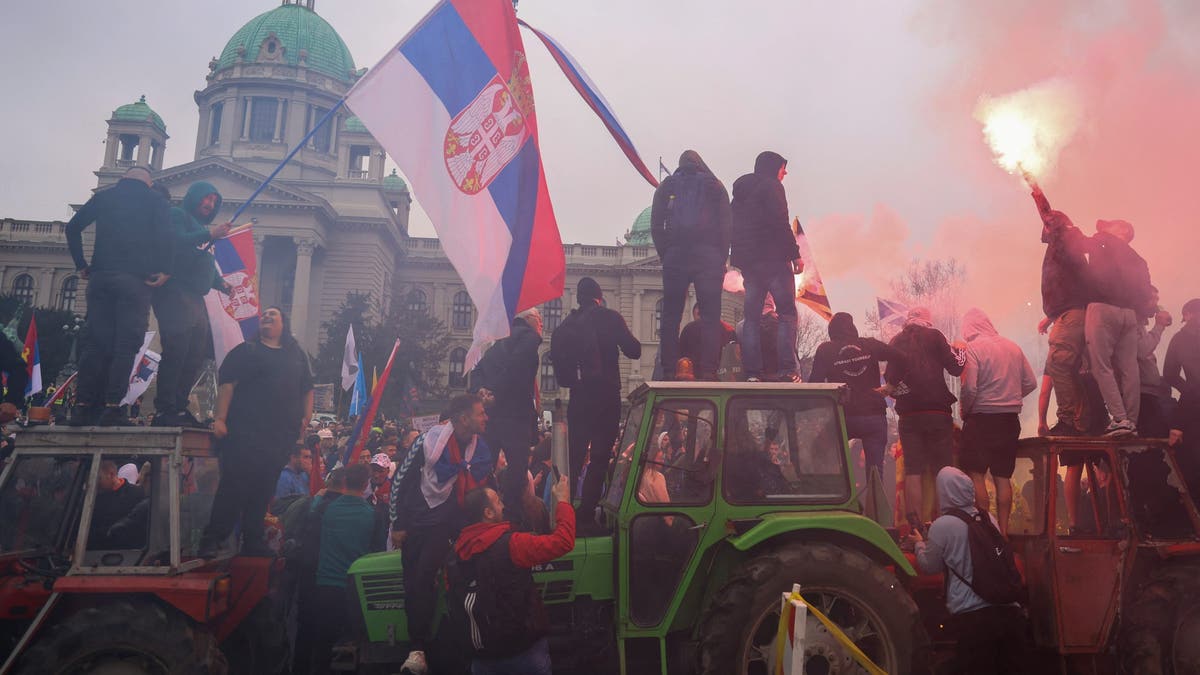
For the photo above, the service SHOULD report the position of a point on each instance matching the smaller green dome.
(640, 234)
(139, 111)
(354, 124)
(393, 182)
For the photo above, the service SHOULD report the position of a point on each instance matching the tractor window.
(676, 466)
(784, 449)
(660, 548)
(1097, 504)
(36, 499)
(198, 480)
(1156, 500)
(1030, 491)
(121, 511)
(625, 448)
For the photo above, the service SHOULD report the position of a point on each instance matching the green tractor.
(759, 496)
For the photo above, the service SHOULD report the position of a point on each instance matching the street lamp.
(72, 328)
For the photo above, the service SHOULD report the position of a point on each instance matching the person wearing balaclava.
(996, 379)
(989, 638)
(854, 360)
(690, 223)
(179, 304)
(764, 249)
(594, 410)
(923, 401)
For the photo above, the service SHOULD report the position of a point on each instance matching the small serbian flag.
(33, 360)
(234, 317)
(453, 105)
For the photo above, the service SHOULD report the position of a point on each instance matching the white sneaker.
(1122, 429)
(414, 664)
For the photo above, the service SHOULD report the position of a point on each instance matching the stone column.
(246, 120)
(278, 118)
(637, 328)
(110, 149)
(375, 166)
(4, 279)
(259, 241)
(45, 288)
(143, 155)
(304, 252)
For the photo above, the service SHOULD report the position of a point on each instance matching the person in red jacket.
(504, 608)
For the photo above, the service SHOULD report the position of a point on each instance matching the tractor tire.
(1160, 630)
(122, 637)
(866, 600)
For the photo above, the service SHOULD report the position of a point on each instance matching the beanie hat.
(588, 291)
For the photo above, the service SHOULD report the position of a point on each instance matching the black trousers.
(246, 488)
(186, 341)
(118, 312)
(991, 641)
(705, 269)
(323, 618)
(514, 437)
(423, 553)
(592, 420)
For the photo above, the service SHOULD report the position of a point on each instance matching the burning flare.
(1027, 129)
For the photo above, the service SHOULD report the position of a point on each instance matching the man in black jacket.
(690, 224)
(132, 255)
(594, 410)
(923, 400)
(179, 303)
(1181, 370)
(765, 250)
(848, 358)
(505, 379)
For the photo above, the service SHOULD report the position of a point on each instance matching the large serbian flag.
(234, 317)
(33, 359)
(453, 105)
(810, 290)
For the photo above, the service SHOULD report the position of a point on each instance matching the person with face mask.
(264, 401)
(179, 304)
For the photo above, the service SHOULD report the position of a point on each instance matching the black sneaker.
(112, 416)
(188, 420)
(166, 419)
(1063, 429)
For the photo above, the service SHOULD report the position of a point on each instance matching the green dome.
(354, 124)
(139, 111)
(640, 234)
(394, 181)
(297, 28)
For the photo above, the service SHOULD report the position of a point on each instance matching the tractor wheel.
(259, 645)
(867, 602)
(1160, 630)
(124, 638)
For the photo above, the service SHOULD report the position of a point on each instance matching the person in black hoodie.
(923, 400)
(690, 225)
(132, 255)
(504, 379)
(854, 360)
(1181, 370)
(179, 304)
(765, 250)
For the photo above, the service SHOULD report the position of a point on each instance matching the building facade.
(331, 222)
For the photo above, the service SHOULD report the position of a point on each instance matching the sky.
(871, 102)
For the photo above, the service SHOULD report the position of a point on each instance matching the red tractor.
(78, 595)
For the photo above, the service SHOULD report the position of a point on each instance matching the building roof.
(297, 28)
(354, 124)
(394, 182)
(640, 234)
(139, 111)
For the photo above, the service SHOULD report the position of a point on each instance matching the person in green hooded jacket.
(179, 303)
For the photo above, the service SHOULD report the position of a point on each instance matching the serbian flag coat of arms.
(233, 317)
(452, 104)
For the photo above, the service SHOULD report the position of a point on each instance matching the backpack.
(492, 367)
(305, 548)
(503, 613)
(994, 573)
(575, 349)
(685, 205)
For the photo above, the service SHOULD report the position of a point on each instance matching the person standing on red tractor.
(765, 250)
(452, 459)
(264, 402)
(1181, 369)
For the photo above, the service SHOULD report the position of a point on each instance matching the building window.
(461, 311)
(66, 296)
(360, 161)
(320, 140)
(552, 314)
(214, 123)
(416, 302)
(23, 288)
(549, 383)
(458, 362)
(129, 146)
(262, 118)
(657, 319)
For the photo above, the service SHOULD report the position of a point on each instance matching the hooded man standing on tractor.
(179, 303)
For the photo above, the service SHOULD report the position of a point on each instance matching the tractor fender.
(852, 529)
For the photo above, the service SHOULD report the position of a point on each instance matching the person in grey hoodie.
(995, 379)
(989, 638)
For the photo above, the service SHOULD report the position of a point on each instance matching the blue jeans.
(872, 431)
(777, 279)
(532, 661)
